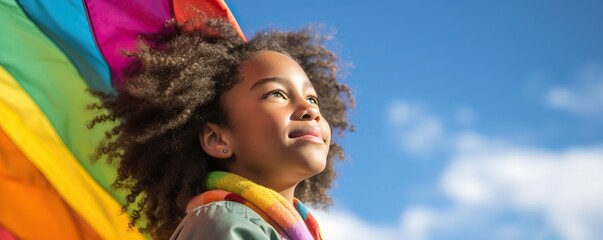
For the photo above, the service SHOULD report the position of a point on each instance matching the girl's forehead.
(269, 60)
(270, 64)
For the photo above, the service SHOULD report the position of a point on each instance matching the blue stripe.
(66, 23)
(302, 210)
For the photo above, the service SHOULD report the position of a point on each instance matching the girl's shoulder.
(224, 220)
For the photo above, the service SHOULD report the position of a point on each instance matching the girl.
(221, 138)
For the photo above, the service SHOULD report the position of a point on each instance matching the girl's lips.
(310, 138)
(307, 133)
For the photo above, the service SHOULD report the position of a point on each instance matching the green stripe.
(214, 178)
(54, 84)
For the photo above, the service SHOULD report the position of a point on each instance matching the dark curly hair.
(173, 89)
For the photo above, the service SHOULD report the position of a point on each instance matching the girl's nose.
(307, 112)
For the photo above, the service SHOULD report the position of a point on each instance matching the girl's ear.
(216, 141)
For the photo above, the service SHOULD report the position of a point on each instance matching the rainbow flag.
(50, 52)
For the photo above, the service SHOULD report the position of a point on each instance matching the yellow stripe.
(31, 131)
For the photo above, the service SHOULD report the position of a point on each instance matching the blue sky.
(475, 119)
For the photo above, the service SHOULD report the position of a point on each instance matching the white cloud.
(417, 222)
(403, 113)
(584, 97)
(416, 130)
(549, 193)
(339, 224)
(487, 179)
(564, 187)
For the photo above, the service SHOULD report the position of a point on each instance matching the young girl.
(221, 138)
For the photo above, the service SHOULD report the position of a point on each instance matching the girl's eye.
(276, 93)
(313, 100)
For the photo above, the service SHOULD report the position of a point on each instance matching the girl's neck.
(288, 194)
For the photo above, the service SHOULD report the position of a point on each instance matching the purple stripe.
(299, 231)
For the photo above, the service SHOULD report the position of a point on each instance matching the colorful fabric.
(292, 221)
(29, 201)
(50, 52)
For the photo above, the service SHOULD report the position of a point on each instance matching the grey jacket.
(224, 220)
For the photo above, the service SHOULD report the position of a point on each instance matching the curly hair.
(173, 89)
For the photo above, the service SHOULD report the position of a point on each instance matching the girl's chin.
(313, 166)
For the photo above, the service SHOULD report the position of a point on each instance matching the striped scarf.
(291, 221)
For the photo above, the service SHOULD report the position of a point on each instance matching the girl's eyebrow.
(263, 81)
(278, 80)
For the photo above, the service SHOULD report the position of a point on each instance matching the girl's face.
(276, 130)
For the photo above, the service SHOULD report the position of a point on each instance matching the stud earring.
(224, 151)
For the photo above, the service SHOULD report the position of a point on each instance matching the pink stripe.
(117, 23)
(6, 235)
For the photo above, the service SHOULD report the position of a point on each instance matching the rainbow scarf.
(292, 222)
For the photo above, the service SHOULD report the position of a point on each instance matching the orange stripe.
(31, 208)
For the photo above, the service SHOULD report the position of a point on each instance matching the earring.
(224, 151)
